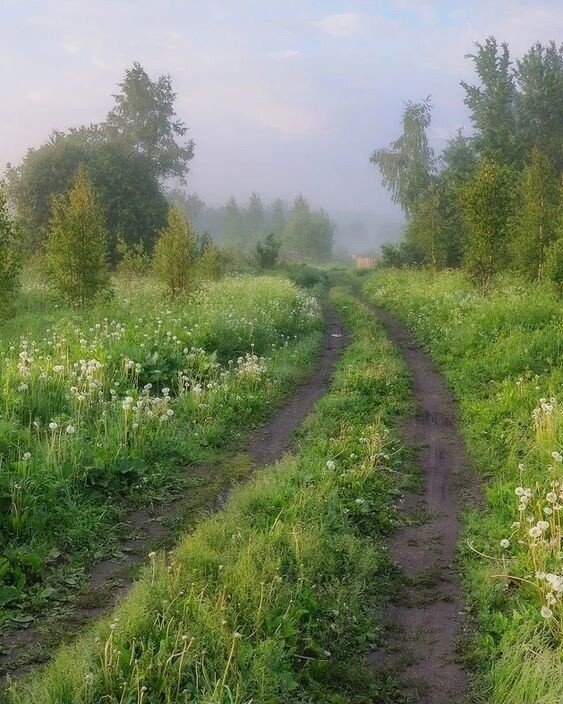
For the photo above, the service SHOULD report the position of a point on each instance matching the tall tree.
(535, 220)
(458, 162)
(254, 219)
(308, 235)
(278, 218)
(426, 230)
(232, 228)
(408, 164)
(77, 244)
(492, 103)
(539, 75)
(487, 202)
(189, 203)
(128, 190)
(144, 115)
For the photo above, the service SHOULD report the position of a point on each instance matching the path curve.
(21, 650)
(425, 622)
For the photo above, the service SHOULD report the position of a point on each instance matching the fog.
(281, 98)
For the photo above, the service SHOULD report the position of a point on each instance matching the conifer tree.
(175, 253)
(77, 244)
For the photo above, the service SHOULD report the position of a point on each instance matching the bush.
(175, 253)
(9, 259)
(307, 276)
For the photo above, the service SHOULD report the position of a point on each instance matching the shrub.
(77, 244)
(175, 253)
(9, 259)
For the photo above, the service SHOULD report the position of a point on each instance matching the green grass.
(501, 355)
(276, 598)
(108, 407)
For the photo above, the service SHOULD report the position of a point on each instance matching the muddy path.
(149, 528)
(425, 621)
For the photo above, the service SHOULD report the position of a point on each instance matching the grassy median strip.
(274, 599)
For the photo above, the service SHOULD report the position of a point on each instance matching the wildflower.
(557, 456)
(504, 543)
(170, 412)
(535, 532)
(27, 455)
(546, 612)
(331, 464)
(70, 429)
(23, 387)
(53, 425)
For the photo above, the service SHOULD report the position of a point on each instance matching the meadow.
(277, 597)
(110, 407)
(502, 357)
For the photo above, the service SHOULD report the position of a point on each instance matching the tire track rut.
(424, 624)
(146, 528)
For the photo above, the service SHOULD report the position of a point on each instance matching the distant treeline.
(303, 233)
(129, 159)
(491, 201)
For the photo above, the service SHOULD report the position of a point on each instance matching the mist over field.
(281, 98)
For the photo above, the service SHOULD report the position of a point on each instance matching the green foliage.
(307, 276)
(255, 219)
(401, 254)
(278, 218)
(534, 222)
(211, 264)
(308, 235)
(553, 269)
(493, 103)
(77, 245)
(144, 117)
(487, 201)
(540, 101)
(134, 260)
(124, 158)
(515, 111)
(426, 229)
(10, 255)
(175, 253)
(406, 167)
(268, 252)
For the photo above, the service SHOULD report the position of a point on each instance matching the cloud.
(341, 24)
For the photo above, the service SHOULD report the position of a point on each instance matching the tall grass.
(275, 599)
(107, 406)
(503, 357)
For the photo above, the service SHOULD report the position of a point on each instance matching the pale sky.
(281, 96)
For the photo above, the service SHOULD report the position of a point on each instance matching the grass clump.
(275, 599)
(502, 356)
